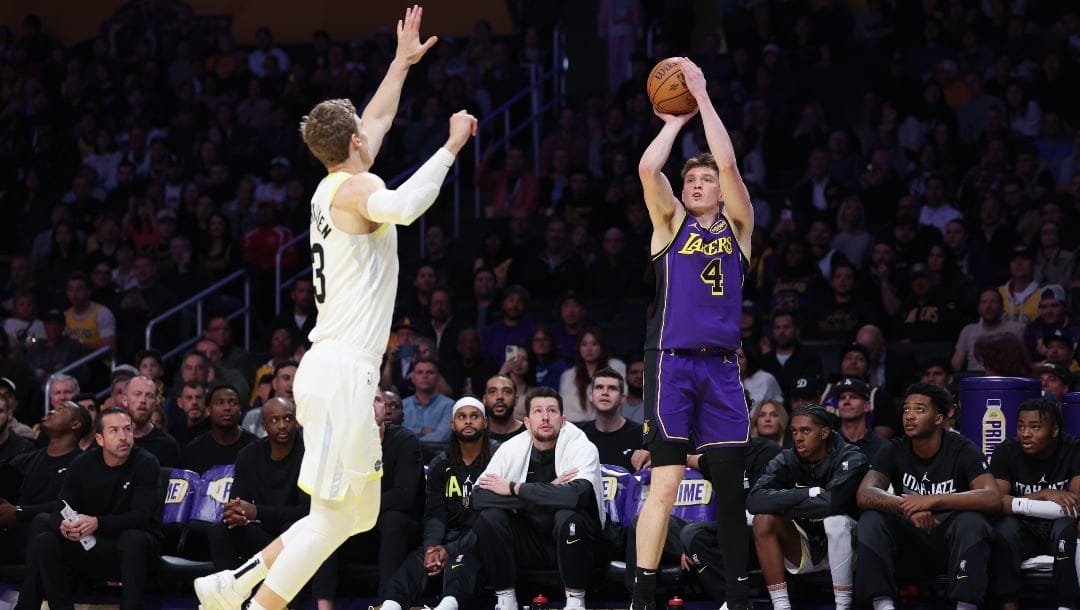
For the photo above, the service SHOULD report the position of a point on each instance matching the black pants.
(229, 548)
(960, 545)
(672, 546)
(394, 534)
(506, 541)
(1015, 539)
(15, 536)
(699, 543)
(459, 575)
(52, 559)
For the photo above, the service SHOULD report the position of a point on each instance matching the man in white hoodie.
(540, 502)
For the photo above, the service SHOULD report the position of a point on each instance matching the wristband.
(815, 492)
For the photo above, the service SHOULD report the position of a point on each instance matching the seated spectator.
(512, 329)
(512, 188)
(1061, 348)
(483, 308)
(938, 372)
(518, 368)
(226, 438)
(991, 320)
(853, 407)
(114, 491)
(539, 497)
(282, 349)
(804, 503)
(839, 317)
(1053, 262)
(400, 356)
(769, 420)
(91, 324)
(1053, 315)
(891, 367)
(925, 316)
(441, 325)
(139, 400)
(1020, 294)
(554, 270)
(618, 440)
(500, 403)
(590, 355)
(11, 442)
(55, 350)
(281, 386)
(183, 276)
(759, 385)
(23, 327)
(951, 285)
(233, 356)
(192, 401)
(137, 306)
(573, 320)
(546, 358)
(1055, 379)
(855, 364)
(1037, 475)
(942, 516)
(221, 372)
(427, 412)
(468, 368)
(1003, 355)
(35, 478)
(149, 363)
(789, 360)
(62, 388)
(449, 544)
(299, 317)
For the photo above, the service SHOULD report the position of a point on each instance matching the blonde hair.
(780, 411)
(700, 160)
(327, 130)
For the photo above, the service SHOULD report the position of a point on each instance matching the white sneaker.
(219, 592)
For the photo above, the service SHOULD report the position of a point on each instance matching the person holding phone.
(517, 367)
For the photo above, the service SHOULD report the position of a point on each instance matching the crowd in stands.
(914, 169)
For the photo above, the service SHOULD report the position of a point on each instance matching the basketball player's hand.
(695, 79)
(924, 520)
(640, 458)
(914, 503)
(7, 512)
(434, 559)
(1070, 502)
(677, 119)
(495, 484)
(565, 477)
(408, 36)
(462, 127)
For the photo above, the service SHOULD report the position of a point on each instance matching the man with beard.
(937, 515)
(1038, 475)
(788, 359)
(192, 401)
(449, 518)
(282, 386)
(264, 499)
(500, 399)
(442, 325)
(140, 398)
(32, 480)
(468, 368)
(991, 309)
(802, 508)
(113, 489)
(617, 439)
(855, 364)
(540, 503)
(633, 406)
(12, 444)
(225, 439)
(852, 406)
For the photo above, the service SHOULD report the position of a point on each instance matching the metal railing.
(87, 359)
(555, 77)
(198, 301)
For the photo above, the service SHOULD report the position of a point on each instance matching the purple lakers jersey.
(699, 280)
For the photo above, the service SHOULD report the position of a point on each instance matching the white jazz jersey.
(355, 276)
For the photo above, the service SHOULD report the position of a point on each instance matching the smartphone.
(511, 352)
(407, 351)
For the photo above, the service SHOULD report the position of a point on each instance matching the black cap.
(857, 347)
(403, 322)
(1060, 334)
(1020, 250)
(1059, 370)
(806, 387)
(851, 385)
(53, 315)
(570, 295)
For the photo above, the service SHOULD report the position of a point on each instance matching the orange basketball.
(667, 88)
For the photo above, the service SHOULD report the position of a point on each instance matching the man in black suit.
(441, 324)
(788, 359)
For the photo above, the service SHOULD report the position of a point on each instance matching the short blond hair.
(327, 130)
(700, 160)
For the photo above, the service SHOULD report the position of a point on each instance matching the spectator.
(573, 319)
(838, 319)
(442, 325)
(925, 316)
(427, 412)
(192, 401)
(939, 372)
(300, 315)
(1053, 263)
(1061, 348)
(265, 49)
(1053, 315)
(891, 368)
(91, 324)
(220, 331)
(500, 402)
(788, 359)
(590, 356)
(226, 438)
(855, 364)
(139, 401)
(1002, 354)
(55, 350)
(281, 386)
(513, 329)
(854, 409)
(618, 440)
(147, 300)
(218, 256)
(62, 388)
(553, 271)
(11, 443)
(759, 385)
(513, 187)
(23, 327)
(259, 246)
(115, 493)
(769, 420)
(466, 370)
(222, 373)
(990, 321)
(546, 358)
(851, 238)
(1020, 294)
(1055, 380)
(401, 356)
(483, 308)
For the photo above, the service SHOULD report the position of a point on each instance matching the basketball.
(667, 89)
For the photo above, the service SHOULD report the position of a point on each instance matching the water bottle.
(539, 602)
(675, 603)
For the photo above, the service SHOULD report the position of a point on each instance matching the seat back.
(180, 494)
(693, 500)
(212, 493)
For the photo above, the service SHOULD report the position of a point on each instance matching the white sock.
(447, 603)
(254, 605)
(392, 605)
(507, 599)
(251, 573)
(842, 597)
(575, 599)
(778, 595)
(883, 603)
(966, 606)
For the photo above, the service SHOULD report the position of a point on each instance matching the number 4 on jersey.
(713, 277)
